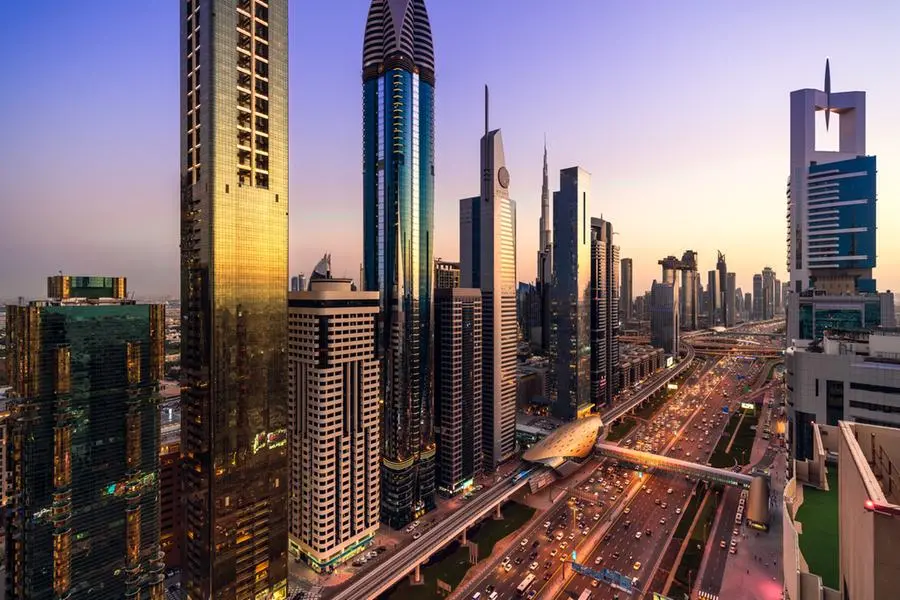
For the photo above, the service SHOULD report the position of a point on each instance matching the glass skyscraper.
(84, 445)
(570, 339)
(234, 249)
(398, 243)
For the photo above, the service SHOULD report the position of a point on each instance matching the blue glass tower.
(398, 197)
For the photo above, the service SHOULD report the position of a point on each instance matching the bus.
(526, 583)
(585, 595)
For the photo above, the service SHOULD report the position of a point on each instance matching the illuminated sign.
(748, 406)
(672, 386)
(574, 556)
(670, 361)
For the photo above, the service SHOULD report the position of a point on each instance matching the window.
(880, 389)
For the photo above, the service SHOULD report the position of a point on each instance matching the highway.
(651, 385)
(398, 565)
(598, 501)
(622, 550)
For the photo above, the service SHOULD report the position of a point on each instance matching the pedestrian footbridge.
(647, 462)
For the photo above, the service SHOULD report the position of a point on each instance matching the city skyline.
(748, 130)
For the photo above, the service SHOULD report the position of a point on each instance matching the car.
(663, 505)
(662, 521)
(571, 536)
(547, 524)
(594, 583)
(518, 560)
(733, 543)
(669, 491)
(553, 552)
(637, 535)
(597, 517)
(417, 535)
(657, 502)
(547, 575)
(637, 566)
(584, 532)
(507, 567)
(532, 594)
(564, 545)
(533, 566)
(598, 560)
(648, 532)
(732, 550)
(735, 532)
(490, 588)
(607, 537)
(476, 595)
(535, 543)
(523, 542)
(722, 544)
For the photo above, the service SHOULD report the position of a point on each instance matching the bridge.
(647, 461)
(411, 557)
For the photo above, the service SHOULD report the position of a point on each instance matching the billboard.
(670, 361)
(672, 386)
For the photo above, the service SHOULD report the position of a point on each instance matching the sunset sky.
(679, 110)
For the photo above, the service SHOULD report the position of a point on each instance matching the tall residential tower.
(604, 313)
(398, 244)
(487, 247)
(570, 339)
(234, 259)
(830, 196)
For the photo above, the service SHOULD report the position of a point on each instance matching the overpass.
(648, 461)
(650, 387)
(412, 556)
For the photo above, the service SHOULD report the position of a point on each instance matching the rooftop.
(820, 540)
(574, 440)
(876, 454)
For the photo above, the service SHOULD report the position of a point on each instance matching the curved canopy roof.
(398, 28)
(570, 441)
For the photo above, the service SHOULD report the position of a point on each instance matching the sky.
(679, 110)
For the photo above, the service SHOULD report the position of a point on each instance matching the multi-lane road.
(613, 504)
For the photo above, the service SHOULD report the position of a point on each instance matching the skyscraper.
(604, 313)
(831, 196)
(334, 421)
(725, 306)
(457, 387)
(626, 299)
(757, 311)
(570, 340)
(689, 295)
(714, 300)
(665, 318)
(487, 247)
(84, 429)
(234, 250)
(398, 243)
(768, 293)
(545, 257)
(732, 299)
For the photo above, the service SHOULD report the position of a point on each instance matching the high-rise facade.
(757, 312)
(570, 339)
(830, 196)
(398, 243)
(334, 422)
(626, 298)
(545, 257)
(604, 313)
(487, 247)
(234, 250)
(84, 440)
(665, 325)
(722, 288)
(457, 387)
(446, 274)
(768, 294)
(732, 298)
(714, 301)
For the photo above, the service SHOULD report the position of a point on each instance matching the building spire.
(486, 110)
(827, 92)
(545, 204)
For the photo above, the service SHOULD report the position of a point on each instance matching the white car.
(533, 566)
(637, 535)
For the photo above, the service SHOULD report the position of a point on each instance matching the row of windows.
(869, 387)
(875, 407)
(252, 81)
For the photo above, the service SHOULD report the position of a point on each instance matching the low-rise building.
(846, 376)
(853, 472)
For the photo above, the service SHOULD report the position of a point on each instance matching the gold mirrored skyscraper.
(234, 247)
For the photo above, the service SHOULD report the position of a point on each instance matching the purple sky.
(678, 109)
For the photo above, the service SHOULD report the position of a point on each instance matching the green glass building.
(84, 450)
